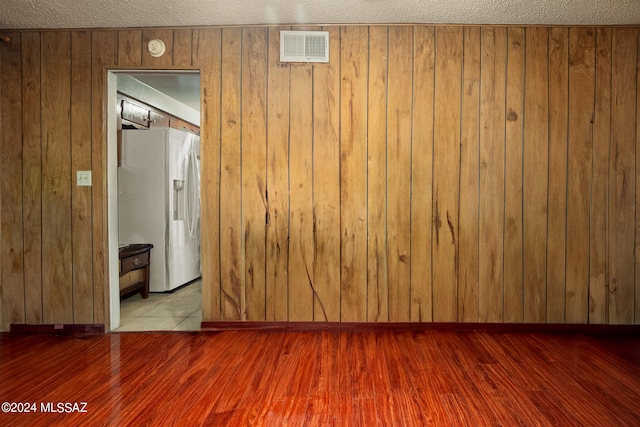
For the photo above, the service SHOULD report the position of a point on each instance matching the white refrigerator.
(159, 202)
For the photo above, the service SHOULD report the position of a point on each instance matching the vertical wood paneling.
(277, 183)
(326, 186)
(231, 258)
(32, 177)
(104, 46)
(353, 172)
(166, 35)
(3, 325)
(446, 161)
(81, 160)
(637, 207)
(182, 47)
(622, 190)
(11, 174)
(469, 179)
(130, 48)
(377, 271)
(598, 305)
(422, 174)
(207, 56)
(581, 116)
(57, 266)
(301, 248)
(535, 174)
(492, 152)
(399, 106)
(254, 160)
(323, 182)
(513, 244)
(557, 214)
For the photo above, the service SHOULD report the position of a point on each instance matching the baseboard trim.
(57, 329)
(83, 329)
(402, 326)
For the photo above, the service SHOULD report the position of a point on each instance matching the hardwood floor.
(323, 378)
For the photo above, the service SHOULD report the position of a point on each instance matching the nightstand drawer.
(134, 262)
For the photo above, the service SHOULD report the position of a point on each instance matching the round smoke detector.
(156, 48)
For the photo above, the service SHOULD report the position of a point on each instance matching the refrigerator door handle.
(193, 203)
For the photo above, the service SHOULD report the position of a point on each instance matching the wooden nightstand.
(135, 260)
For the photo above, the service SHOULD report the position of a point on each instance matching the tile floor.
(176, 311)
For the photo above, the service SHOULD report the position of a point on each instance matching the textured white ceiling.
(23, 14)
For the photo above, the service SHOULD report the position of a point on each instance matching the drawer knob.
(136, 261)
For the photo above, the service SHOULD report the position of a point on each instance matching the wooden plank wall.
(456, 174)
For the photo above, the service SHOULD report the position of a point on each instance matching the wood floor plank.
(364, 412)
(568, 394)
(355, 378)
(552, 412)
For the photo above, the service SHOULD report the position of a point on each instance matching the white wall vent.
(304, 46)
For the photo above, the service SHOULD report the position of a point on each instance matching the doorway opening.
(153, 128)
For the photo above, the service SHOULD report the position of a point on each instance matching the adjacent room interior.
(157, 156)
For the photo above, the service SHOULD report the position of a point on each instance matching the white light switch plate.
(83, 178)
